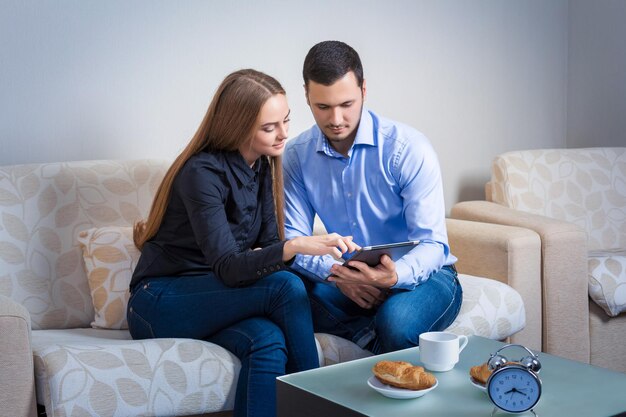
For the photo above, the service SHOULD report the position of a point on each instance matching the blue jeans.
(395, 324)
(267, 325)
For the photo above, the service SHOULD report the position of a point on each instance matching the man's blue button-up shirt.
(388, 189)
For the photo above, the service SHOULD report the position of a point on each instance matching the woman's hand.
(331, 244)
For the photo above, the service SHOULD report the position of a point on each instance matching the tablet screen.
(371, 254)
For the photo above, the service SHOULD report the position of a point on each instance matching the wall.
(597, 74)
(132, 79)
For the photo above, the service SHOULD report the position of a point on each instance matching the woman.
(213, 264)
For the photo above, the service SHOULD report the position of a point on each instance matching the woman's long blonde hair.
(229, 123)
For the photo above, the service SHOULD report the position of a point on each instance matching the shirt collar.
(240, 167)
(364, 136)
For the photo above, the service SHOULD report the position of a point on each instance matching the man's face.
(337, 109)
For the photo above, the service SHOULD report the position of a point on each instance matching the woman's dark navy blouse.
(219, 210)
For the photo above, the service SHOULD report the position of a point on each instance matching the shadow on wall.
(472, 188)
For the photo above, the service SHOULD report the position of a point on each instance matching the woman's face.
(271, 130)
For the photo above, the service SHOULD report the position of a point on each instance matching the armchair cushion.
(607, 282)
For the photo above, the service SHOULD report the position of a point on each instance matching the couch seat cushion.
(490, 309)
(87, 372)
(607, 280)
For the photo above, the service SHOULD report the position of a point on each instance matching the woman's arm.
(204, 194)
(332, 244)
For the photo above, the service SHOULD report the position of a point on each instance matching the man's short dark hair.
(330, 61)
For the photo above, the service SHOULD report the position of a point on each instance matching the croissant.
(403, 375)
(480, 373)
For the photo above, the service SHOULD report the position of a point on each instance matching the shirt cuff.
(270, 261)
(407, 277)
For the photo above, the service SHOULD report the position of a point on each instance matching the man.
(379, 181)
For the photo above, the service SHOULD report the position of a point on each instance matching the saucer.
(397, 393)
(478, 385)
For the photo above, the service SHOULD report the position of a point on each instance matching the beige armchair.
(575, 200)
(508, 254)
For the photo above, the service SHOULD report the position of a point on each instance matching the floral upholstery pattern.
(92, 372)
(607, 282)
(43, 208)
(110, 257)
(490, 309)
(584, 186)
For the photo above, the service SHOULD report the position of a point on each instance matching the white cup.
(439, 351)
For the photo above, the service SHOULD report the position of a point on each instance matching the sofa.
(575, 200)
(66, 257)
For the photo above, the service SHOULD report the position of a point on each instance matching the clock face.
(514, 388)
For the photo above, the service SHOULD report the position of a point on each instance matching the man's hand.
(382, 275)
(365, 296)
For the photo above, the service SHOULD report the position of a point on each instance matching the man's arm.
(418, 174)
(299, 217)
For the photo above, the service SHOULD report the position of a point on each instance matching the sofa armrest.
(511, 255)
(563, 274)
(17, 375)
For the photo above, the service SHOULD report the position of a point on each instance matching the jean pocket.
(138, 327)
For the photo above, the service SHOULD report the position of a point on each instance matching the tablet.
(371, 254)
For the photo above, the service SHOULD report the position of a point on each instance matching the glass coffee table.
(569, 388)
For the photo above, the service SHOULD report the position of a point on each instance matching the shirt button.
(353, 223)
(258, 272)
(131, 309)
(264, 269)
(349, 195)
(145, 286)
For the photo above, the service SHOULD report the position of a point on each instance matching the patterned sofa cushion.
(110, 258)
(490, 309)
(88, 372)
(43, 208)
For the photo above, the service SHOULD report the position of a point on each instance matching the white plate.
(398, 393)
(478, 385)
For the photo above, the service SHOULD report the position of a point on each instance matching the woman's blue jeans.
(395, 324)
(267, 325)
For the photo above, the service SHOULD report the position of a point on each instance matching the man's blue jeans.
(267, 325)
(395, 324)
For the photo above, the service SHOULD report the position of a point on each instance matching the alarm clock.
(514, 387)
